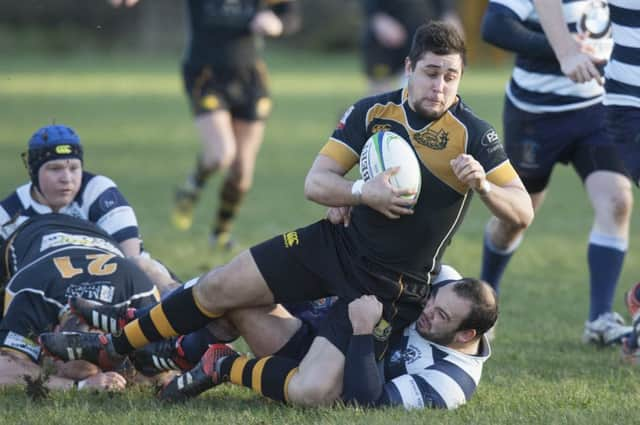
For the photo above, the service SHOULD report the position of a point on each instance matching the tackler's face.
(433, 82)
(59, 181)
(442, 315)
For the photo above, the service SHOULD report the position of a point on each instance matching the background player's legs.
(610, 195)
(500, 242)
(218, 152)
(248, 136)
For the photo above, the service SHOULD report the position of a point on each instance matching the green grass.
(136, 128)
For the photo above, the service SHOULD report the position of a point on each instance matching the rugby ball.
(385, 150)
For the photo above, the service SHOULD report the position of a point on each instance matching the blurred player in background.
(226, 83)
(549, 119)
(54, 160)
(48, 259)
(387, 36)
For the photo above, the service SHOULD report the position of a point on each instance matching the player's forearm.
(505, 30)
(330, 189)
(363, 381)
(552, 21)
(509, 204)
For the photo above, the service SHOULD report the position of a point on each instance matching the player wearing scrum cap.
(59, 184)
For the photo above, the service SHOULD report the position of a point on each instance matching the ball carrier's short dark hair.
(437, 37)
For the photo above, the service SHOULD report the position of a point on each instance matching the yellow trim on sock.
(237, 368)
(256, 375)
(286, 383)
(160, 321)
(204, 311)
(134, 334)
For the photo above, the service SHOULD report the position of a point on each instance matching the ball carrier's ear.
(385, 150)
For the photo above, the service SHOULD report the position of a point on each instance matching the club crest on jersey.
(380, 127)
(436, 140)
(291, 239)
(411, 354)
(382, 330)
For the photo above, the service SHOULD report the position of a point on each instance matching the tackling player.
(392, 246)
(548, 120)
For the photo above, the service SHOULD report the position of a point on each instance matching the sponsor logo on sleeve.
(345, 116)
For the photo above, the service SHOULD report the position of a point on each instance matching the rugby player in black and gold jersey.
(49, 258)
(226, 82)
(392, 246)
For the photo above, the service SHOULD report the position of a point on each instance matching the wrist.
(484, 188)
(356, 190)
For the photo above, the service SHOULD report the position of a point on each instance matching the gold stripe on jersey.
(7, 301)
(438, 144)
(340, 153)
(389, 111)
(160, 321)
(502, 174)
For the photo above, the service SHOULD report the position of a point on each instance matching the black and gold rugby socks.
(178, 314)
(231, 198)
(268, 376)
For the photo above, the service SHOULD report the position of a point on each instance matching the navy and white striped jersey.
(98, 201)
(537, 84)
(623, 70)
(422, 374)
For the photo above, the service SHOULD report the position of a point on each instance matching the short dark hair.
(437, 37)
(484, 304)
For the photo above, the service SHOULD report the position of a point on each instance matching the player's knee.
(212, 290)
(621, 205)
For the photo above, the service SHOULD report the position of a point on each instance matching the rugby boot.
(631, 300)
(161, 356)
(92, 347)
(222, 241)
(607, 329)
(184, 203)
(108, 318)
(203, 376)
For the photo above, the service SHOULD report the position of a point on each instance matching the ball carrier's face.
(433, 82)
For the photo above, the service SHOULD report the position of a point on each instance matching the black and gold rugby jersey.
(415, 243)
(219, 32)
(52, 257)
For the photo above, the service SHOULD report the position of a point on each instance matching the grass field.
(136, 128)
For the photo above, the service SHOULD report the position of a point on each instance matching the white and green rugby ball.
(385, 150)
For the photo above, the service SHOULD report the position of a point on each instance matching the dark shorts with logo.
(315, 262)
(623, 124)
(535, 143)
(243, 91)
